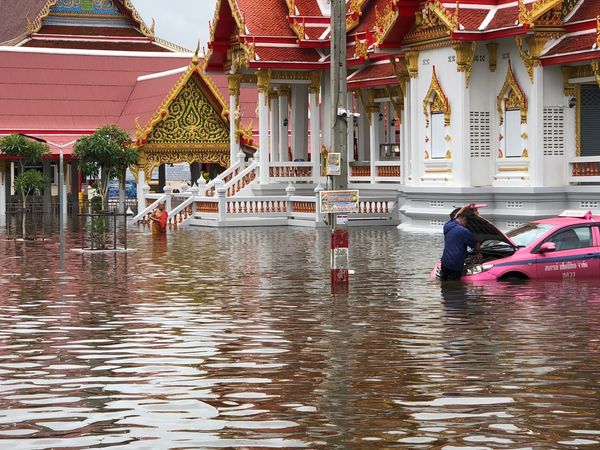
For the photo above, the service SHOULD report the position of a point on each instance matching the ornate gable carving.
(428, 26)
(512, 96)
(436, 101)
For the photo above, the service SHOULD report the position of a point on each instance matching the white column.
(234, 95)
(263, 123)
(415, 151)
(315, 138)
(274, 141)
(460, 144)
(363, 133)
(374, 138)
(300, 121)
(283, 123)
(405, 141)
(2, 189)
(141, 182)
(326, 125)
(535, 127)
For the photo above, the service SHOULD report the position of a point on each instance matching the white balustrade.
(283, 172)
(585, 169)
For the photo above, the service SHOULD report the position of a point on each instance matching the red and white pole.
(339, 261)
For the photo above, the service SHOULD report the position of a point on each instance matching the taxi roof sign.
(576, 214)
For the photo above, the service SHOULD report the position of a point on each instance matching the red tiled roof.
(367, 20)
(14, 16)
(308, 8)
(373, 72)
(504, 18)
(265, 17)
(89, 31)
(59, 92)
(590, 9)
(471, 18)
(287, 54)
(96, 45)
(61, 96)
(571, 44)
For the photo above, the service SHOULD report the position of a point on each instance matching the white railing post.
(241, 158)
(290, 191)
(142, 200)
(195, 190)
(222, 201)
(201, 188)
(168, 190)
(318, 214)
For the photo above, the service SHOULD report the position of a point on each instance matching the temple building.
(68, 67)
(486, 101)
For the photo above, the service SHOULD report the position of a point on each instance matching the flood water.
(231, 338)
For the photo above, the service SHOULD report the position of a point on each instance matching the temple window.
(512, 111)
(437, 118)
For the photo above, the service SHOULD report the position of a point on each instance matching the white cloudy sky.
(180, 21)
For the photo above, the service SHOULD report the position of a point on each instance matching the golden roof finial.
(152, 25)
(598, 32)
(196, 59)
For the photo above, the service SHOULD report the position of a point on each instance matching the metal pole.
(339, 90)
(339, 141)
(61, 206)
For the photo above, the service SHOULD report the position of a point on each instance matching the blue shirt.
(456, 240)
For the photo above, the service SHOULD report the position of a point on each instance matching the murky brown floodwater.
(230, 338)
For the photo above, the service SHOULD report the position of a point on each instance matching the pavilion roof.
(380, 73)
(46, 23)
(66, 94)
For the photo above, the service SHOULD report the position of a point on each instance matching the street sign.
(338, 201)
(341, 219)
(334, 166)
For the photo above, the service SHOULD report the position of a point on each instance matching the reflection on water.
(231, 338)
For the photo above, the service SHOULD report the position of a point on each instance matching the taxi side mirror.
(548, 247)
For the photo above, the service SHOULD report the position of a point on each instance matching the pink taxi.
(563, 247)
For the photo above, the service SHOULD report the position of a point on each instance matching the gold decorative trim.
(412, 63)
(148, 32)
(538, 9)
(162, 111)
(264, 83)
(385, 22)
(233, 83)
(291, 75)
(568, 88)
(428, 29)
(465, 55)
(492, 48)
(434, 170)
(36, 25)
(595, 65)
(531, 57)
(398, 105)
(361, 48)
(448, 18)
(513, 169)
(400, 74)
(436, 101)
(598, 32)
(315, 83)
(525, 154)
(514, 95)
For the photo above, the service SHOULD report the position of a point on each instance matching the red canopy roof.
(60, 95)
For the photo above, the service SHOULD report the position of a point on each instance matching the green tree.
(26, 151)
(105, 155)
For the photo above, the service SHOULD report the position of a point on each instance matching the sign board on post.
(338, 201)
(334, 166)
(341, 219)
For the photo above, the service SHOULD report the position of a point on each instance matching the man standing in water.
(159, 219)
(456, 240)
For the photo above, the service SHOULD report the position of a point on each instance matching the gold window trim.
(436, 101)
(511, 97)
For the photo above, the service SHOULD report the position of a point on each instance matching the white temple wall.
(482, 126)
(555, 124)
(438, 171)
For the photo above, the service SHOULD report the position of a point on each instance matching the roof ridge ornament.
(195, 58)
